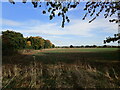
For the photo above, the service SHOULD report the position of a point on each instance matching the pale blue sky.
(30, 21)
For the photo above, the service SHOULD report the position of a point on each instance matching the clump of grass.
(60, 75)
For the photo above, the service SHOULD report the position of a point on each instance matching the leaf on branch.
(91, 14)
(54, 9)
(51, 17)
(53, 5)
(84, 16)
(66, 17)
(35, 4)
(49, 9)
(53, 13)
(47, 3)
(92, 19)
(44, 12)
(85, 8)
(68, 20)
(11, 1)
(104, 41)
(97, 14)
(73, 6)
(62, 24)
(24, 1)
(59, 14)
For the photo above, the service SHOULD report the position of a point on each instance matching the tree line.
(14, 41)
(88, 46)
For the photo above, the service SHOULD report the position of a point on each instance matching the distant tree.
(71, 46)
(82, 46)
(53, 46)
(87, 46)
(104, 46)
(94, 46)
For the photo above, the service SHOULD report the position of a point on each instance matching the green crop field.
(63, 68)
(81, 50)
(87, 55)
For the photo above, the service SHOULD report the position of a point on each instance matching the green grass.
(60, 50)
(86, 55)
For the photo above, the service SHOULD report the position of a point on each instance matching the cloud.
(76, 27)
(105, 26)
(54, 29)
(7, 22)
(77, 32)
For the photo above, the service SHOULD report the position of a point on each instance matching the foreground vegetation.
(63, 68)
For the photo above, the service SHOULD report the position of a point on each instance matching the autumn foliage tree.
(14, 41)
(48, 44)
(35, 42)
(39, 43)
(11, 41)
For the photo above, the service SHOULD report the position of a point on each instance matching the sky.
(30, 21)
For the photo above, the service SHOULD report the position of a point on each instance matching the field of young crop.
(63, 68)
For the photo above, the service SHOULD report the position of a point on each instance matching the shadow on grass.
(67, 57)
(99, 59)
(95, 59)
(103, 57)
(13, 57)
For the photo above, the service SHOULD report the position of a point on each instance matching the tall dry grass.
(60, 75)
